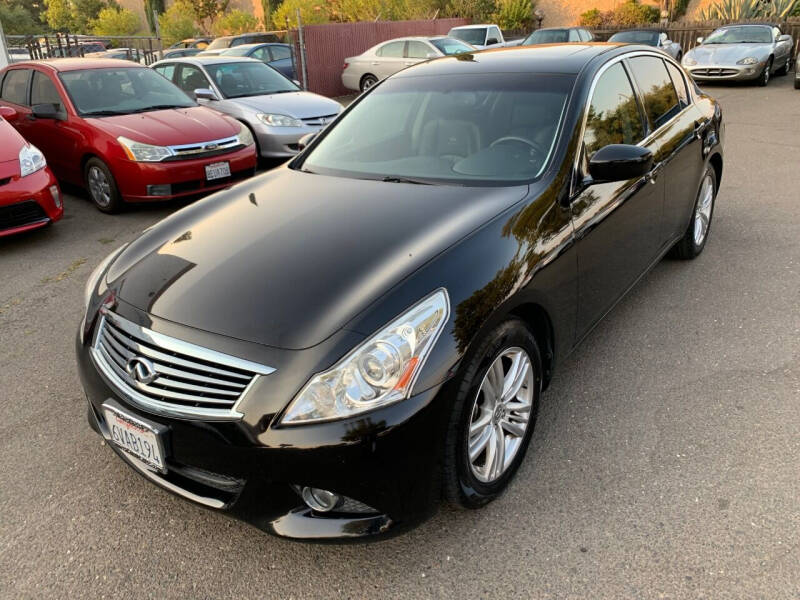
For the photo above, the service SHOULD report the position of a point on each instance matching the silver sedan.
(277, 111)
(387, 58)
(740, 52)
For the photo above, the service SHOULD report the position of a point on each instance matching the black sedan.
(328, 350)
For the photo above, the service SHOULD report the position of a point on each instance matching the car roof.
(210, 60)
(644, 29)
(258, 45)
(79, 64)
(542, 58)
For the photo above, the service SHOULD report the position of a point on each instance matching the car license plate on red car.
(136, 436)
(218, 170)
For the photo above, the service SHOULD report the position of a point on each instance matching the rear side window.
(392, 50)
(573, 36)
(614, 116)
(418, 50)
(190, 78)
(659, 95)
(15, 87)
(680, 84)
(43, 91)
(587, 36)
(167, 71)
(280, 52)
(261, 54)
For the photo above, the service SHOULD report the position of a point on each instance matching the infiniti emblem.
(141, 370)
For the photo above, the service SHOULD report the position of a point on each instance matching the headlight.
(380, 371)
(141, 152)
(245, 136)
(31, 160)
(279, 120)
(750, 60)
(99, 271)
(689, 61)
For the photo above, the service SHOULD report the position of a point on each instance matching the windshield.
(649, 38)
(475, 35)
(546, 36)
(120, 91)
(240, 79)
(219, 43)
(490, 129)
(448, 46)
(740, 35)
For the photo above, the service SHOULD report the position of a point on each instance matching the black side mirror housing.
(46, 111)
(620, 162)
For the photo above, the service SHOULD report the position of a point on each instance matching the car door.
(616, 224)
(676, 127)
(282, 60)
(783, 48)
(416, 52)
(388, 59)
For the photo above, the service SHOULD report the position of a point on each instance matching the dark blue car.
(277, 56)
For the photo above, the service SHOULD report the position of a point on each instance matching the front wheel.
(493, 415)
(763, 79)
(694, 240)
(102, 186)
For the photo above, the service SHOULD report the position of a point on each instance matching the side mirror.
(620, 162)
(784, 38)
(491, 41)
(700, 40)
(7, 112)
(46, 111)
(304, 141)
(205, 94)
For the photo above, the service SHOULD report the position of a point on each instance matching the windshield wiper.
(398, 179)
(161, 107)
(105, 113)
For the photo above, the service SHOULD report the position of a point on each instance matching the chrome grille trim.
(319, 121)
(192, 381)
(203, 147)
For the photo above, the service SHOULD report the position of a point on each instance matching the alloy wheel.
(99, 187)
(702, 212)
(501, 414)
(765, 75)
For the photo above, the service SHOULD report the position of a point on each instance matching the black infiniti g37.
(331, 349)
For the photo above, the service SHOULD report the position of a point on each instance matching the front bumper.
(185, 177)
(388, 459)
(725, 72)
(29, 202)
(280, 142)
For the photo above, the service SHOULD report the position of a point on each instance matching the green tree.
(479, 11)
(74, 16)
(116, 21)
(235, 21)
(177, 23)
(311, 12)
(58, 14)
(631, 13)
(18, 20)
(206, 12)
(514, 14)
(153, 8)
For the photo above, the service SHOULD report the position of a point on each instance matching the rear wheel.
(763, 79)
(367, 81)
(694, 240)
(101, 186)
(493, 415)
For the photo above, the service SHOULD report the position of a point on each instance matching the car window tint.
(614, 116)
(261, 54)
(280, 52)
(494, 32)
(573, 36)
(43, 91)
(418, 50)
(167, 71)
(680, 84)
(392, 50)
(660, 98)
(15, 86)
(191, 78)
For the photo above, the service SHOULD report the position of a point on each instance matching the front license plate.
(136, 436)
(218, 170)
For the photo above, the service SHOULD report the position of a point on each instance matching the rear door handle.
(376, 63)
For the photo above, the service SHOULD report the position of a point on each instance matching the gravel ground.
(665, 463)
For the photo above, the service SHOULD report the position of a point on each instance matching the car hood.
(169, 127)
(728, 54)
(288, 258)
(300, 105)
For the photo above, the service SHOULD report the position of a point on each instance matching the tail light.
(345, 66)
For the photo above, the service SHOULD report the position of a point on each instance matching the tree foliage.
(628, 14)
(234, 22)
(478, 11)
(17, 19)
(116, 21)
(514, 14)
(206, 12)
(741, 10)
(75, 16)
(177, 23)
(312, 12)
(153, 8)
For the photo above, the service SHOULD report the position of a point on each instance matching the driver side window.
(190, 79)
(614, 115)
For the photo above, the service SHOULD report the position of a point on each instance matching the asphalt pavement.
(665, 463)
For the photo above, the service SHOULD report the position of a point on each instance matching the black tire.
(367, 81)
(679, 57)
(785, 67)
(462, 488)
(796, 83)
(687, 247)
(106, 199)
(763, 79)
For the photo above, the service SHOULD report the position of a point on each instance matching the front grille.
(204, 149)
(22, 213)
(714, 72)
(319, 121)
(190, 381)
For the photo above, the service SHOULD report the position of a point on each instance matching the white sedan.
(387, 58)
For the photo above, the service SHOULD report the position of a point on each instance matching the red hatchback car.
(123, 131)
(29, 194)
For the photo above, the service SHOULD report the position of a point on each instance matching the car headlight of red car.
(141, 152)
(31, 160)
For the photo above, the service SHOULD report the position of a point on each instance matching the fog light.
(163, 189)
(56, 195)
(320, 500)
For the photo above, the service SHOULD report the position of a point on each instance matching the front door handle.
(699, 128)
(375, 63)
